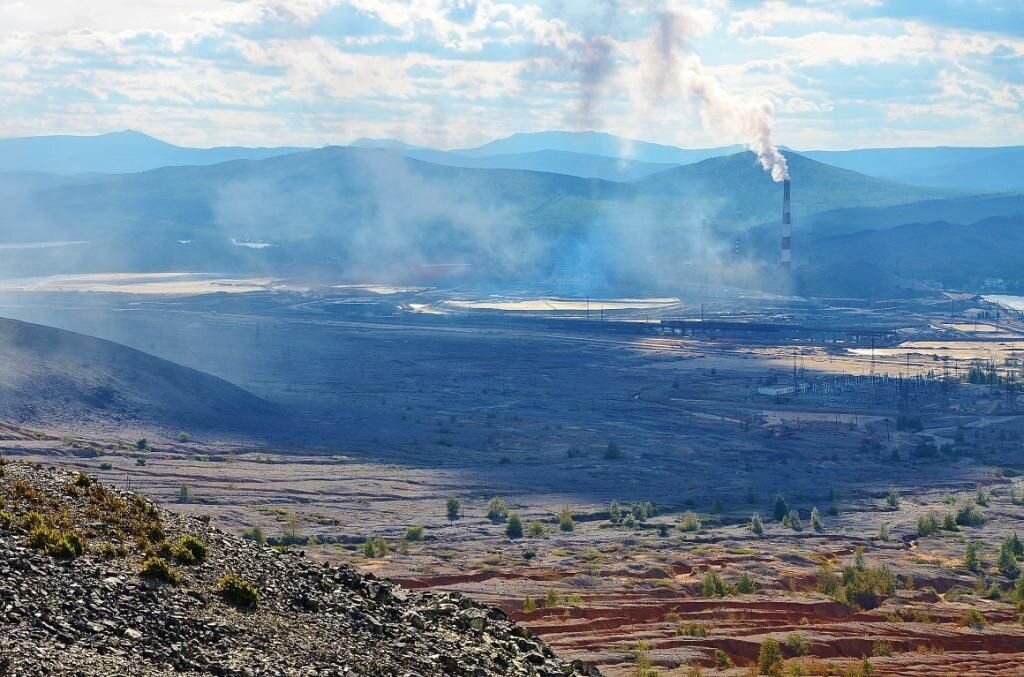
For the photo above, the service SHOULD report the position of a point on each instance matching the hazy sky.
(458, 72)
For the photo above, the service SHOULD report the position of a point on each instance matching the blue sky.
(453, 73)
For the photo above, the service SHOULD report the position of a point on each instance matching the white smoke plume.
(673, 68)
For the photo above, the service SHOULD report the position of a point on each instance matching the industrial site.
(473, 338)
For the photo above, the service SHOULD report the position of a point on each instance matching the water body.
(42, 245)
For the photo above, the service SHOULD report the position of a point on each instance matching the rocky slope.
(74, 600)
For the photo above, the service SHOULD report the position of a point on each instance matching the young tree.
(497, 510)
(514, 527)
(781, 508)
(565, 520)
(614, 512)
(756, 525)
(184, 494)
(453, 508)
(816, 522)
(1007, 562)
(769, 658)
(971, 561)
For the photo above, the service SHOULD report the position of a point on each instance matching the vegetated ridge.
(95, 581)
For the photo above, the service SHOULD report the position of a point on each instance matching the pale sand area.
(187, 284)
(556, 304)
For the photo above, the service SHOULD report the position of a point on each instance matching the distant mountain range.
(979, 169)
(386, 207)
(115, 153)
(583, 154)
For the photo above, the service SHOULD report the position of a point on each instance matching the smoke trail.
(674, 68)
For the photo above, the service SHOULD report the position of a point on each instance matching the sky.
(456, 73)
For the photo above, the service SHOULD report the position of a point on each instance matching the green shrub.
(769, 658)
(452, 509)
(746, 585)
(158, 568)
(690, 522)
(83, 481)
(970, 516)
(188, 550)
(722, 660)
(529, 604)
(816, 522)
(892, 498)
(238, 591)
(882, 649)
(565, 520)
(756, 525)
(414, 533)
(971, 561)
(1007, 562)
(866, 587)
(780, 509)
(106, 465)
(713, 585)
(184, 437)
(536, 529)
(142, 444)
(514, 527)
(927, 525)
(798, 644)
(254, 534)
(974, 619)
(949, 523)
(497, 510)
(67, 543)
(792, 520)
(691, 630)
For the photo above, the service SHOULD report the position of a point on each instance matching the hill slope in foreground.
(74, 599)
(68, 381)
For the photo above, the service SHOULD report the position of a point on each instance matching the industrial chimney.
(787, 230)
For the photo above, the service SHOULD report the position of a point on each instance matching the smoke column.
(676, 67)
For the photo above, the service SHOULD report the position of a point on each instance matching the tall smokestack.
(787, 230)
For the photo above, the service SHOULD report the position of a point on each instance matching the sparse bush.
(157, 568)
(414, 533)
(927, 524)
(883, 533)
(497, 510)
(514, 527)
(691, 630)
(981, 498)
(565, 520)
(142, 444)
(83, 481)
(892, 499)
(866, 587)
(974, 619)
(769, 658)
(828, 582)
(798, 644)
(971, 562)
(690, 522)
(722, 660)
(452, 509)
(713, 585)
(535, 530)
(882, 649)
(184, 494)
(184, 437)
(106, 465)
(254, 534)
(949, 523)
(970, 516)
(756, 525)
(238, 591)
(745, 585)
(614, 512)
(529, 604)
(644, 665)
(140, 461)
(375, 547)
(188, 550)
